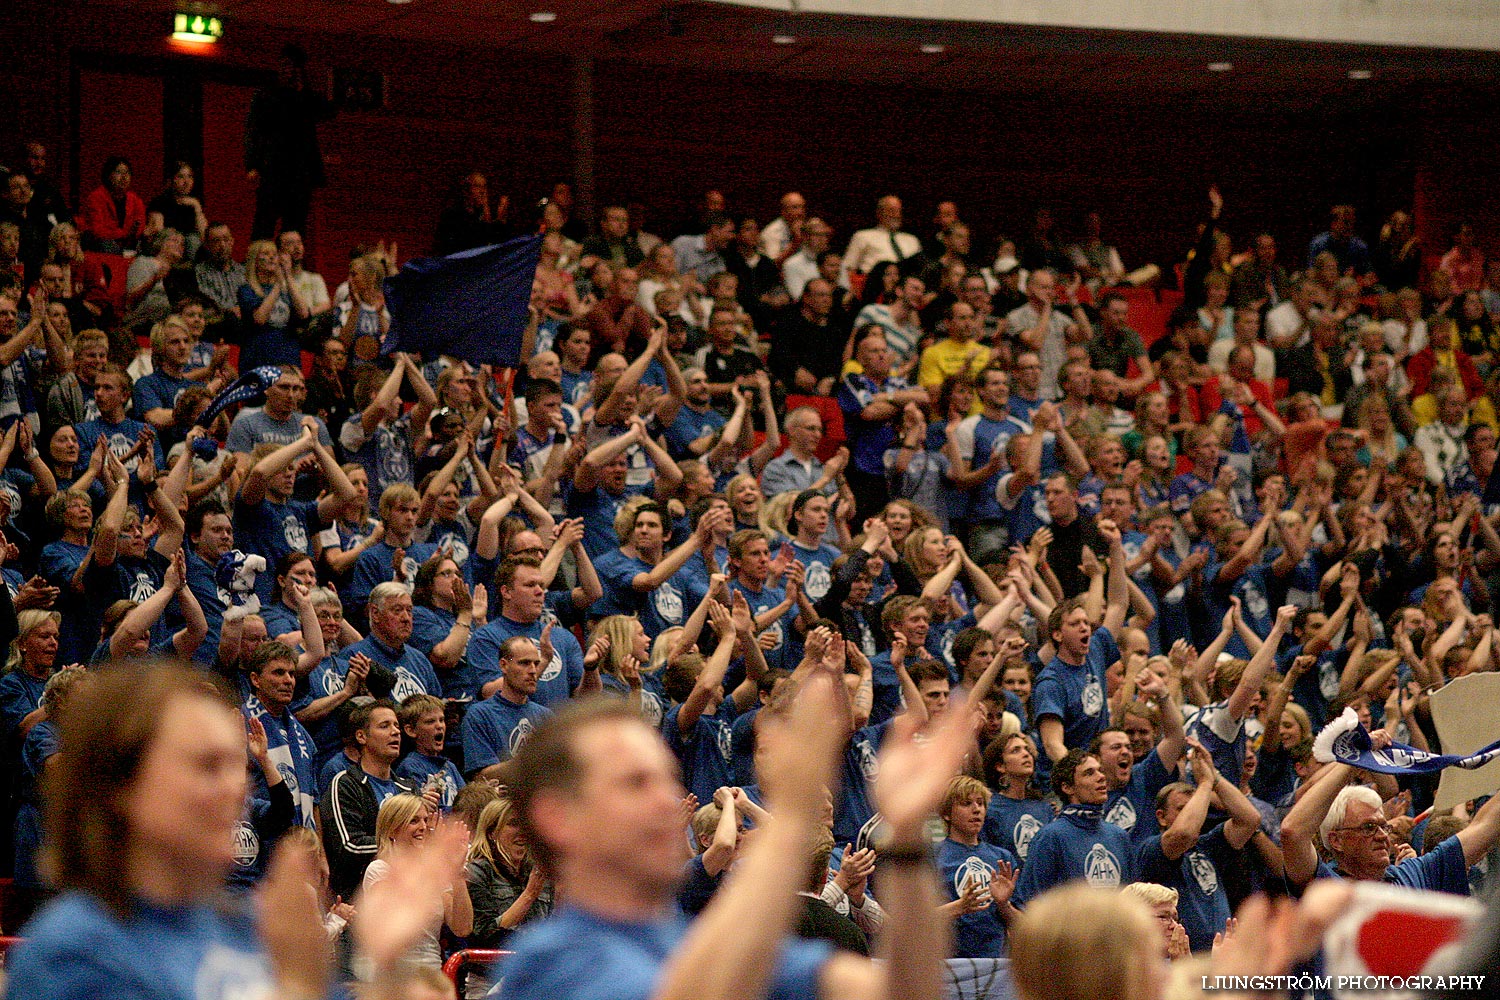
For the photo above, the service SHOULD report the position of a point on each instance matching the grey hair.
(1340, 808)
(384, 592)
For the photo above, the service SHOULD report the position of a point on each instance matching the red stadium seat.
(115, 266)
(461, 960)
(1146, 317)
(833, 421)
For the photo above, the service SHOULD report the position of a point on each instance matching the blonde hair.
(621, 632)
(160, 330)
(1079, 943)
(911, 550)
(1150, 893)
(630, 510)
(776, 515)
(492, 819)
(395, 812)
(705, 821)
(963, 788)
(252, 267)
(661, 647)
(27, 622)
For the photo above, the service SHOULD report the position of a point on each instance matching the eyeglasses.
(1368, 828)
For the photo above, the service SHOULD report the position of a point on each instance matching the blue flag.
(248, 388)
(472, 305)
(1345, 741)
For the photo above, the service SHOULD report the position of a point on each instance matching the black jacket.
(348, 812)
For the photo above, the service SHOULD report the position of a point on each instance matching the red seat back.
(834, 435)
(115, 265)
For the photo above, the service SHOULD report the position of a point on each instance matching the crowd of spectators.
(741, 472)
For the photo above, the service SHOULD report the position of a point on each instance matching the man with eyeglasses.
(279, 421)
(1352, 823)
(798, 468)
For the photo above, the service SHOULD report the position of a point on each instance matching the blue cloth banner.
(248, 388)
(471, 305)
(1345, 741)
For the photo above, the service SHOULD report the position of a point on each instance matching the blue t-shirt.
(1442, 869)
(598, 508)
(213, 601)
(559, 678)
(1133, 807)
(275, 530)
(818, 563)
(786, 652)
(1012, 824)
(77, 948)
(419, 767)
(1202, 903)
(706, 751)
(429, 627)
(979, 437)
(1075, 695)
(1223, 737)
(661, 608)
(374, 567)
(495, 728)
(40, 745)
(576, 955)
(20, 695)
(980, 934)
(78, 632)
(868, 439)
(1076, 845)
(158, 391)
(121, 438)
(689, 426)
(272, 342)
(861, 766)
(414, 673)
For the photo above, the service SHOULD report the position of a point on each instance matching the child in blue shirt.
(425, 724)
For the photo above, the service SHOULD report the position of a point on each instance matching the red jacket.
(1419, 371)
(96, 216)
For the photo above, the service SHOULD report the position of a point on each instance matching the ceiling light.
(543, 16)
(1360, 74)
(1220, 67)
(784, 39)
(933, 49)
(399, 2)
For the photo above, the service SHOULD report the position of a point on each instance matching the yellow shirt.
(951, 357)
(1424, 409)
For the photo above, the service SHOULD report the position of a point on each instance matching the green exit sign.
(189, 27)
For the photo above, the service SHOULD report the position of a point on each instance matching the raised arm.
(1299, 830)
(586, 477)
(1248, 689)
(138, 622)
(613, 410)
(1118, 595)
(1185, 830)
(709, 679)
(253, 489)
(107, 531)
